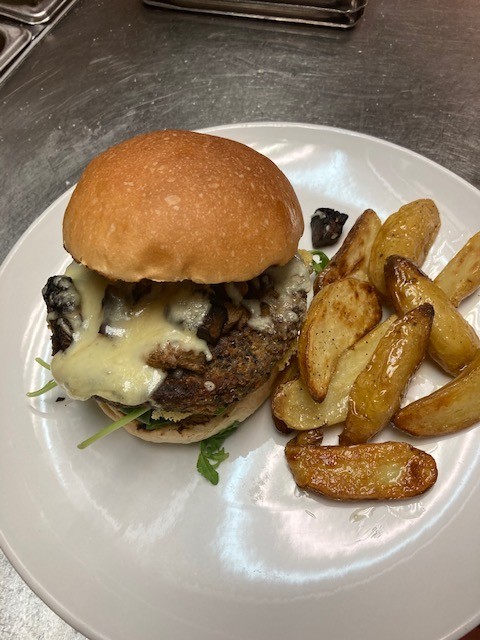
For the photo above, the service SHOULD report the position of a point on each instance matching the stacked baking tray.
(329, 13)
(22, 24)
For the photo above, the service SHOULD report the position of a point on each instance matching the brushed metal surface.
(13, 38)
(316, 12)
(33, 12)
(407, 73)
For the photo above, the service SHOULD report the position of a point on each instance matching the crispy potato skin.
(311, 438)
(352, 259)
(409, 232)
(461, 276)
(373, 471)
(293, 405)
(453, 342)
(377, 392)
(451, 408)
(340, 314)
(344, 377)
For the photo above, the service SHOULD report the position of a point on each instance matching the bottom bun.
(196, 432)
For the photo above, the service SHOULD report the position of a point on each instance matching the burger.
(185, 295)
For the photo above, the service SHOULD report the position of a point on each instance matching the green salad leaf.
(149, 423)
(51, 384)
(110, 428)
(41, 362)
(212, 453)
(319, 260)
(157, 424)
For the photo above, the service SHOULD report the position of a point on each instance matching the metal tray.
(329, 13)
(18, 40)
(12, 40)
(31, 11)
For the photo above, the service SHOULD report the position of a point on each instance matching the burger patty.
(241, 356)
(242, 361)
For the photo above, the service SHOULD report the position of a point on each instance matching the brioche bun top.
(177, 205)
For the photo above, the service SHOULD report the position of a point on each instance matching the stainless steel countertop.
(409, 73)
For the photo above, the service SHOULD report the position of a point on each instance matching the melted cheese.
(291, 277)
(233, 293)
(257, 320)
(288, 280)
(114, 366)
(188, 311)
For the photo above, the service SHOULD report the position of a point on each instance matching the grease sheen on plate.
(126, 540)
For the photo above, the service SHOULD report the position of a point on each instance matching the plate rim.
(18, 565)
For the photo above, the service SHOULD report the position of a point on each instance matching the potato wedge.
(453, 342)
(461, 276)
(291, 372)
(294, 406)
(452, 408)
(378, 390)
(409, 232)
(373, 471)
(311, 438)
(352, 259)
(340, 314)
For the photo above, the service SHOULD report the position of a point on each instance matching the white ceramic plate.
(126, 540)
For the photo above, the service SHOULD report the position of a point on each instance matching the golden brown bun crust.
(238, 412)
(178, 205)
